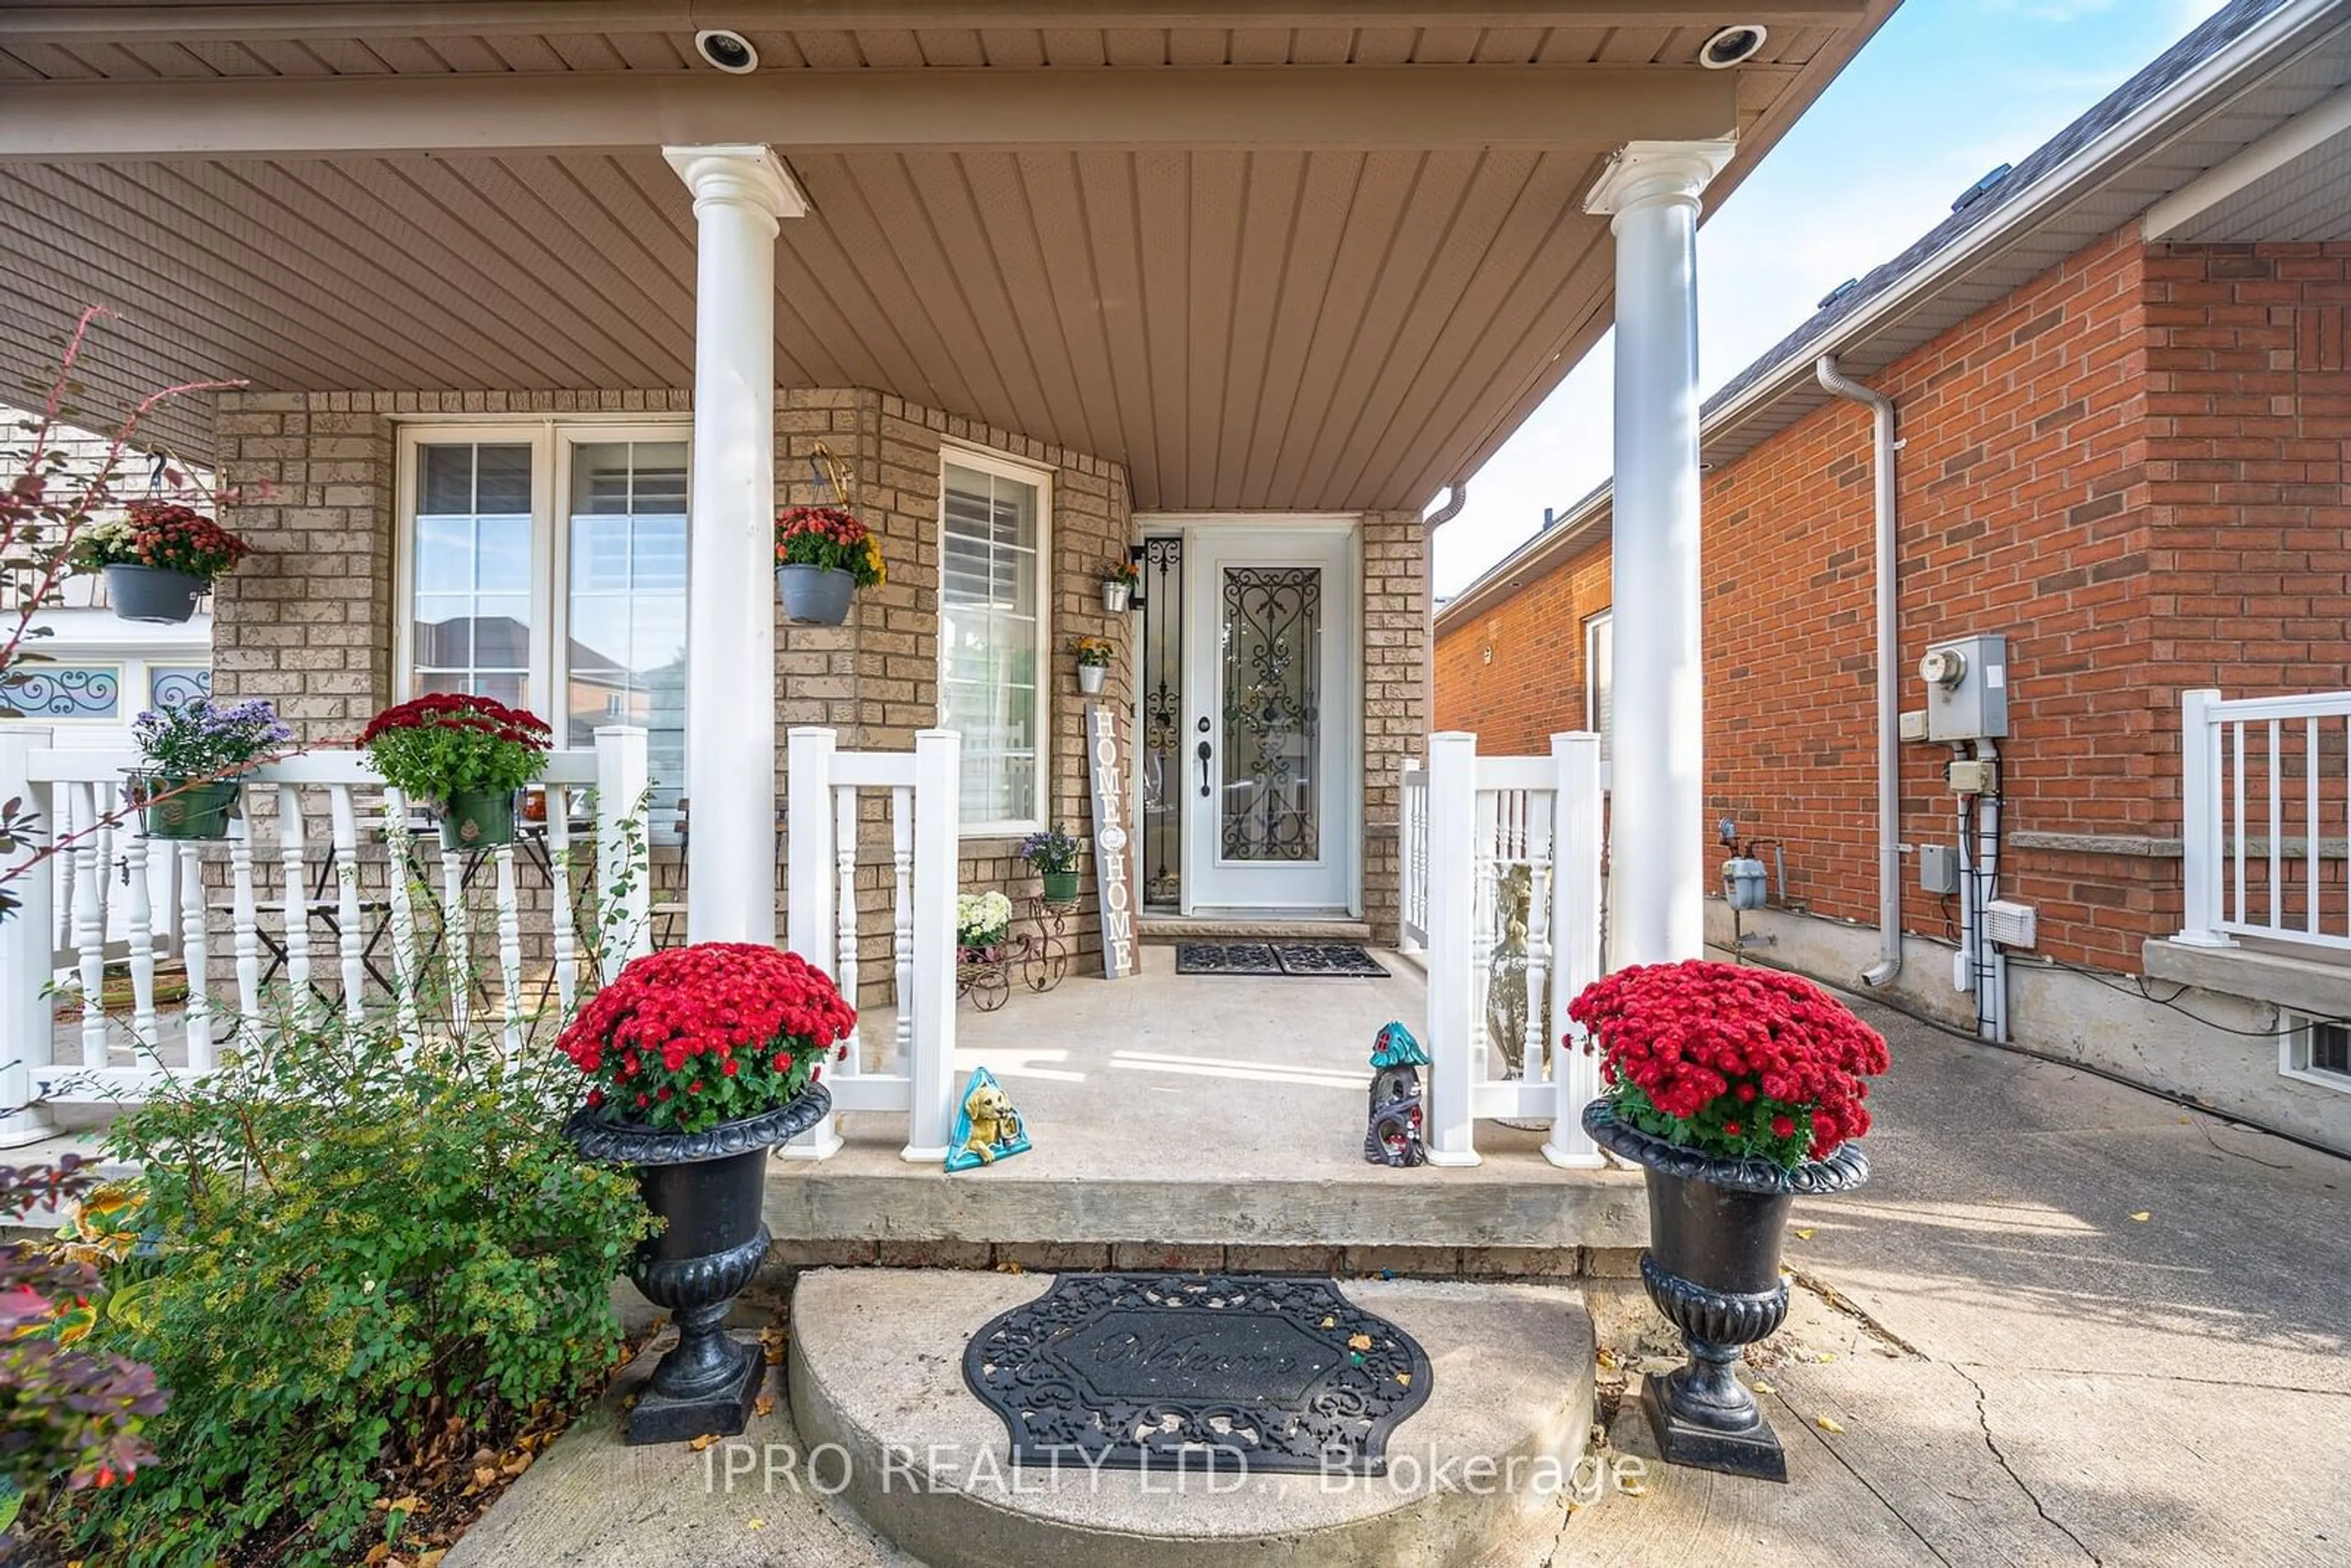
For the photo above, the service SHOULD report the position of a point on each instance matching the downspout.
(1889, 691)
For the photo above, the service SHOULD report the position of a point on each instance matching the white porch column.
(1658, 805)
(739, 193)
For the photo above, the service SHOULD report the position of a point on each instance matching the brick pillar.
(1395, 695)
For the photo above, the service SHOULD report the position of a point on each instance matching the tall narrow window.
(1600, 677)
(471, 570)
(625, 658)
(991, 638)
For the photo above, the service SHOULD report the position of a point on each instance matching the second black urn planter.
(706, 1187)
(1712, 1267)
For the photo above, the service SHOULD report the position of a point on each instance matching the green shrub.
(367, 1257)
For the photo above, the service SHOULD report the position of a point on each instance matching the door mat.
(1190, 1372)
(1342, 958)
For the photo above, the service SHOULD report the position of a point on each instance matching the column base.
(1754, 1451)
(721, 1412)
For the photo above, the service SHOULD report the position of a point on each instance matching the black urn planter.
(1712, 1267)
(706, 1187)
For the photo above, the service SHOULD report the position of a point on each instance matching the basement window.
(2316, 1053)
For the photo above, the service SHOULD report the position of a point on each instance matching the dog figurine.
(987, 1128)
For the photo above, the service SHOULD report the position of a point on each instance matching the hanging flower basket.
(823, 556)
(1735, 1089)
(699, 1059)
(1094, 654)
(159, 559)
(466, 755)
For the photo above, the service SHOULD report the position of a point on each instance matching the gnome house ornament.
(1393, 1138)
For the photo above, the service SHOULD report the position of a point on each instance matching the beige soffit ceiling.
(1315, 257)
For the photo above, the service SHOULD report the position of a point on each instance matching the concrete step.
(1478, 1474)
(1168, 929)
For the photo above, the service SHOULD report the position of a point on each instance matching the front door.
(1271, 725)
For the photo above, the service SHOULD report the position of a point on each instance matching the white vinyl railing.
(299, 861)
(2266, 788)
(922, 790)
(1484, 817)
(1412, 856)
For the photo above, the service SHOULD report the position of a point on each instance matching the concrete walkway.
(1992, 1360)
(2065, 1323)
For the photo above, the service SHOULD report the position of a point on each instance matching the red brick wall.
(1515, 675)
(2131, 465)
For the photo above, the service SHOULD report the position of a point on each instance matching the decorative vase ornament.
(706, 1187)
(986, 1127)
(153, 593)
(1712, 1267)
(814, 595)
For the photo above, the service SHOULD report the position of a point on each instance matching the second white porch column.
(1656, 870)
(739, 193)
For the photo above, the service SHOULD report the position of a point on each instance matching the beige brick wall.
(1396, 714)
(308, 621)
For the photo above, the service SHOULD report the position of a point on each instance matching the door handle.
(1203, 754)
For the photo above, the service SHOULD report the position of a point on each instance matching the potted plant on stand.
(1053, 854)
(195, 752)
(159, 558)
(1094, 654)
(983, 923)
(699, 1060)
(1119, 584)
(465, 755)
(822, 556)
(1734, 1087)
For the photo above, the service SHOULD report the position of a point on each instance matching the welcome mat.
(1276, 958)
(1190, 1372)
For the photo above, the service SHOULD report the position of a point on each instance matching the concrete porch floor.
(1194, 1121)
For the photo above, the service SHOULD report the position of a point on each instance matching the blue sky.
(1947, 90)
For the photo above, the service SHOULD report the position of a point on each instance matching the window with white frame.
(2317, 1050)
(544, 565)
(1600, 676)
(992, 634)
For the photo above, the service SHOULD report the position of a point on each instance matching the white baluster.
(400, 863)
(292, 853)
(809, 894)
(1575, 924)
(89, 924)
(1453, 1021)
(931, 1067)
(1486, 900)
(509, 948)
(902, 921)
(844, 974)
(343, 825)
(245, 924)
(139, 928)
(455, 941)
(28, 945)
(197, 1016)
(624, 872)
(559, 860)
(1534, 1049)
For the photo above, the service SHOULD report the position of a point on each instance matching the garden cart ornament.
(1735, 1089)
(1394, 1136)
(700, 1059)
(986, 1127)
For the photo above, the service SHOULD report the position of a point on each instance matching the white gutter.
(2306, 132)
(1889, 690)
